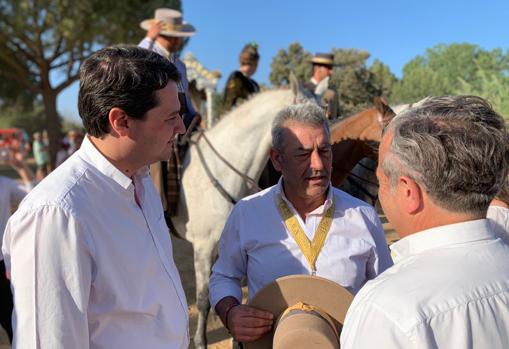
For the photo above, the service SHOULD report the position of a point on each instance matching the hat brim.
(289, 290)
(187, 29)
(323, 61)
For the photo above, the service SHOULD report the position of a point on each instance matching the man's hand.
(154, 30)
(247, 324)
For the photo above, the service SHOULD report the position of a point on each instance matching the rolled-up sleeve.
(49, 258)
(230, 267)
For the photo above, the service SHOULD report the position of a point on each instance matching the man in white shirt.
(440, 165)
(88, 250)
(268, 234)
(11, 192)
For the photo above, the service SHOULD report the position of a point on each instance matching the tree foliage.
(491, 86)
(42, 43)
(444, 69)
(295, 59)
(355, 82)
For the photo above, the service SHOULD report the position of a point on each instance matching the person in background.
(41, 155)
(11, 193)
(318, 85)
(166, 33)
(440, 165)
(240, 85)
(165, 36)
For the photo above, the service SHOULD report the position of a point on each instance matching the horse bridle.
(220, 188)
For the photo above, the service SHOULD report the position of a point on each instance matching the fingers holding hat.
(247, 324)
(155, 28)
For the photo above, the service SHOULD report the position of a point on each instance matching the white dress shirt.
(255, 244)
(89, 267)
(450, 289)
(499, 218)
(10, 192)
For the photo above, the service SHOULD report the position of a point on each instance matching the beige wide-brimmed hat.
(173, 24)
(323, 59)
(309, 312)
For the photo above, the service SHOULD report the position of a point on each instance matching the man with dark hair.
(440, 165)
(88, 250)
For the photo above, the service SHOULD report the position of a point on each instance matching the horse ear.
(383, 107)
(294, 84)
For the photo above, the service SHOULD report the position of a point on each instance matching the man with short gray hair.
(268, 234)
(440, 165)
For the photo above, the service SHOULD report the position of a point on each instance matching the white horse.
(242, 138)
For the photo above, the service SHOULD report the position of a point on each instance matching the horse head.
(300, 94)
(386, 114)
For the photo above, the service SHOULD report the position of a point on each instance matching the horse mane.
(398, 109)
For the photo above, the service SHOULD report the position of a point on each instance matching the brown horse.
(357, 137)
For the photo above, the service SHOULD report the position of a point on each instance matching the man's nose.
(181, 128)
(316, 161)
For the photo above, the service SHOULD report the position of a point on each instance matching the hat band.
(311, 309)
(171, 26)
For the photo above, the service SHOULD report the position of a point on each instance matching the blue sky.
(394, 31)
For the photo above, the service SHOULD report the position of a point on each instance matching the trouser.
(6, 304)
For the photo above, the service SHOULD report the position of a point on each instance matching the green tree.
(442, 68)
(383, 78)
(355, 82)
(493, 87)
(294, 59)
(42, 43)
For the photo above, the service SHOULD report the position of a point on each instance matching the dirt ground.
(218, 337)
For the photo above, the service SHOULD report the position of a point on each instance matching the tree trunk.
(53, 123)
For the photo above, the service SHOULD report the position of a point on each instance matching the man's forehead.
(302, 135)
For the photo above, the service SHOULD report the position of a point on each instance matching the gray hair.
(304, 113)
(455, 147)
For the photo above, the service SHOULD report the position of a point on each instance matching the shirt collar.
(90, 154)
(280, 194)
(164, 51)
(443, 236)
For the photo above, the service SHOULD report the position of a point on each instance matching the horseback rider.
(166, 33)
(318, 85)
(240, 85)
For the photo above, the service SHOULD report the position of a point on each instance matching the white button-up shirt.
(449, 289)
(499, 218)
(10, 192)
(256, 244)
(89, 267)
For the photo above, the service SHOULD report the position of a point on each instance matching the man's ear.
(275, 157)
(410, 194)
(119, 121)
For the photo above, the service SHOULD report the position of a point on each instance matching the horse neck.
(242, 137)
(362, 126)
